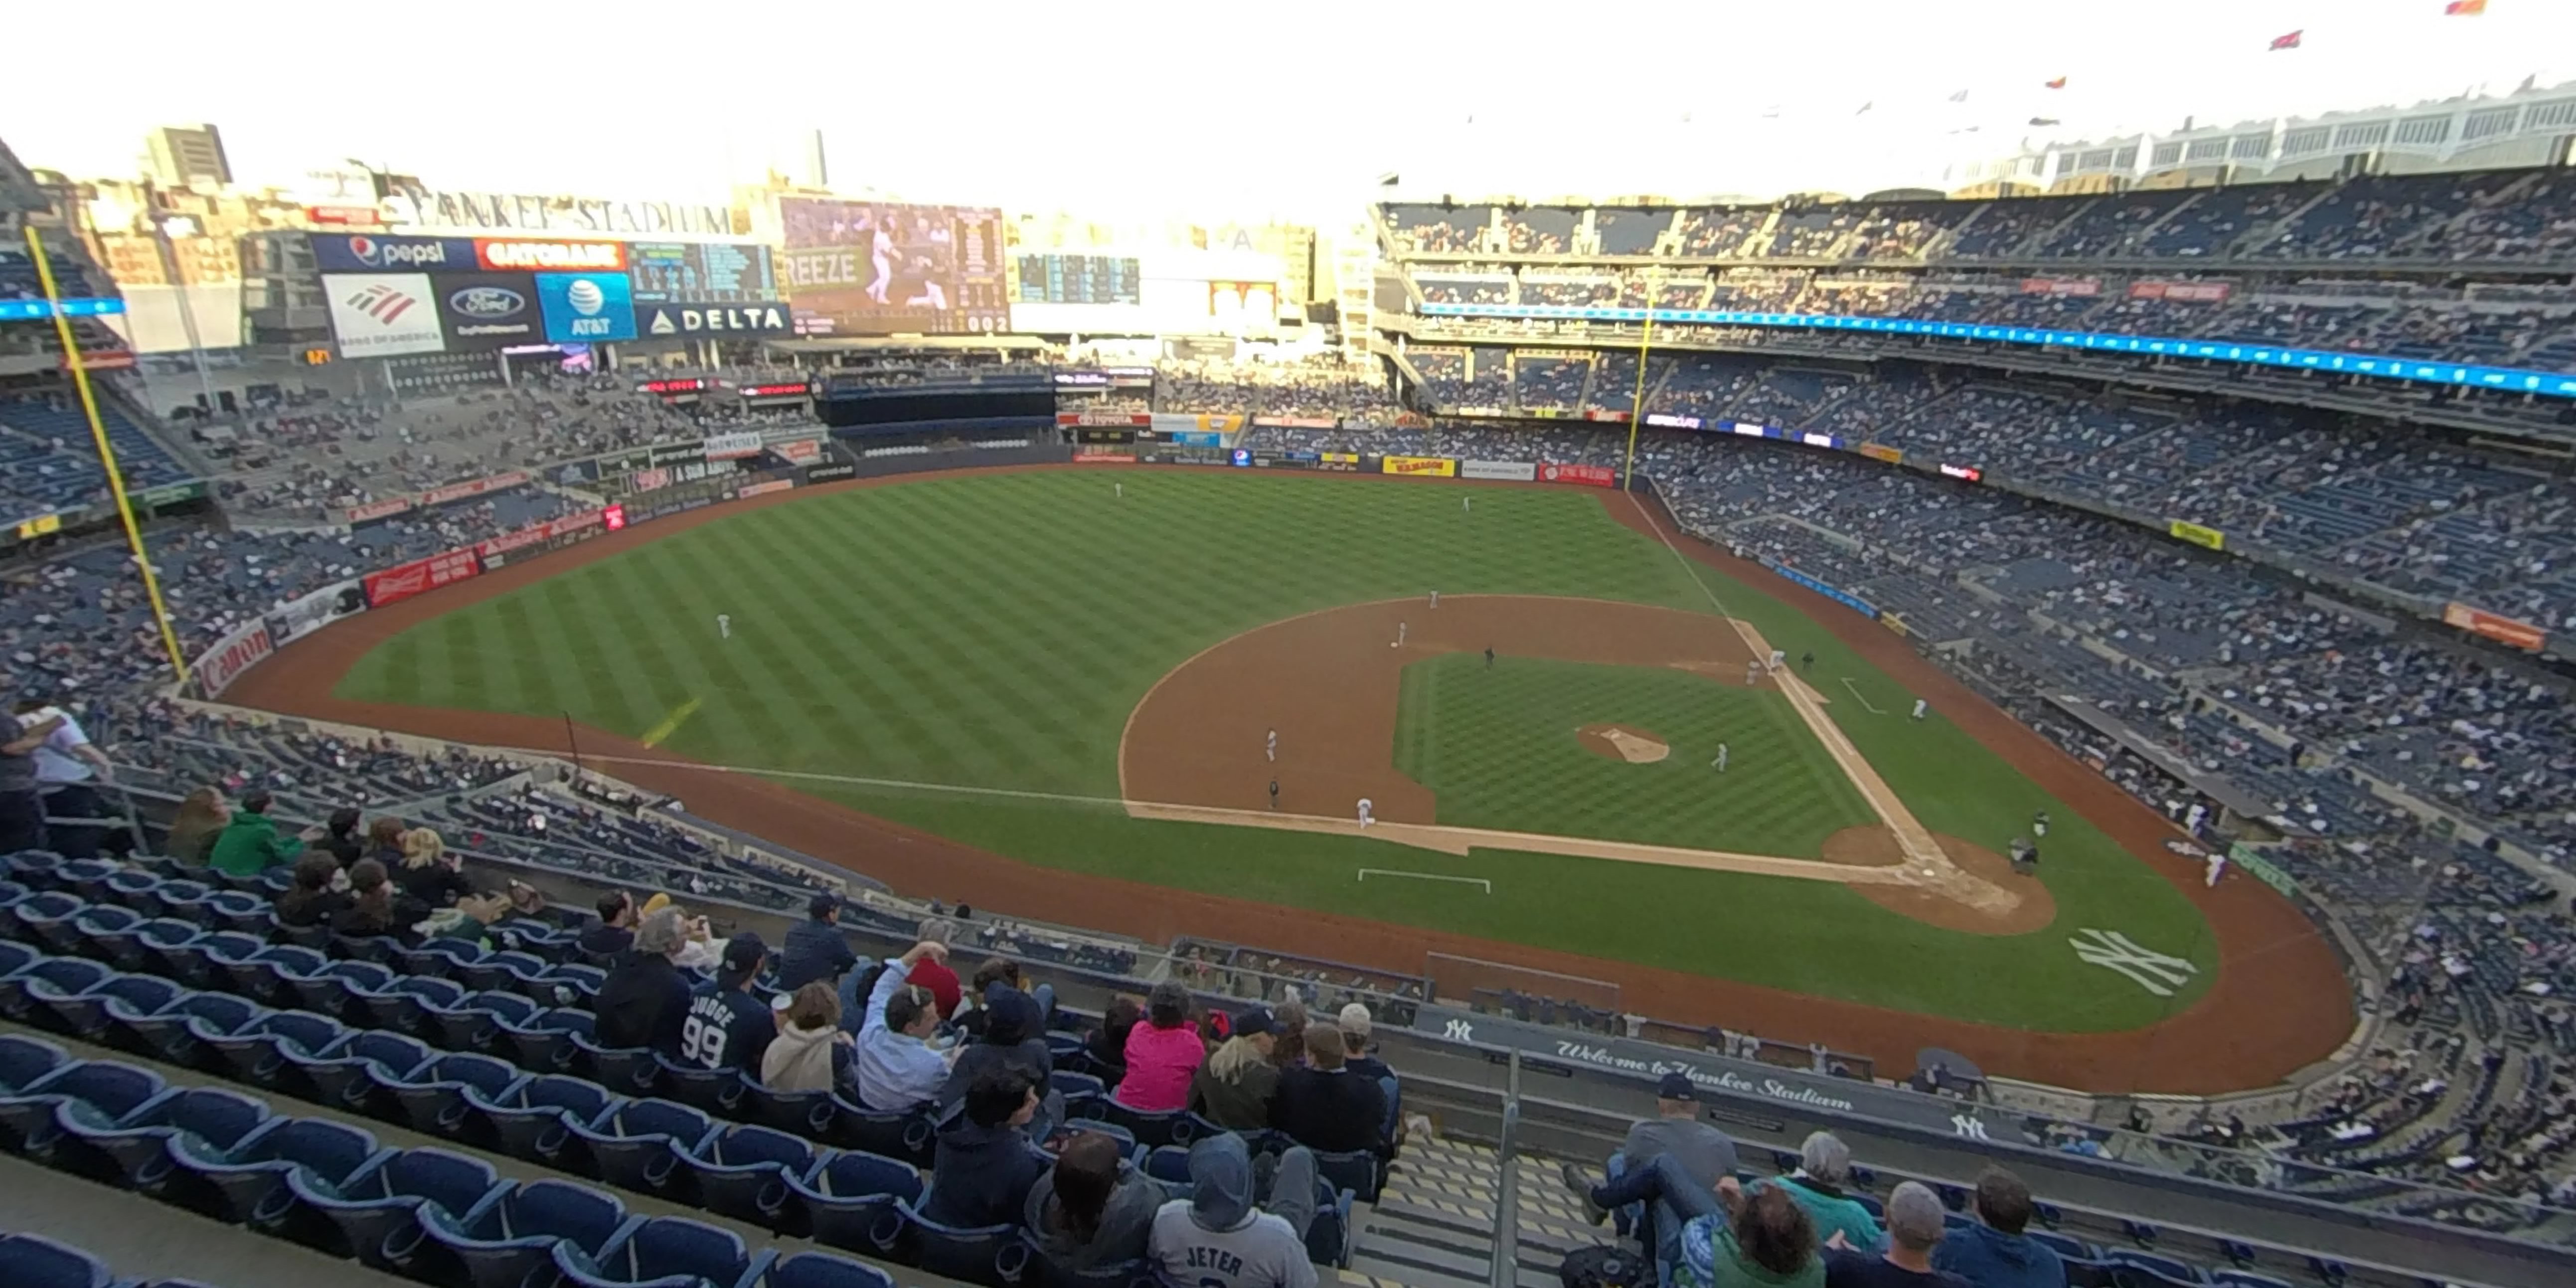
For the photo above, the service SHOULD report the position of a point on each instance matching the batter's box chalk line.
(1366, 873)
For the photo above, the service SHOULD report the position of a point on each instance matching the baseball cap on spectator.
(1355, 1021)
(1258, 1019)
(1676, 1086)
(742, 954)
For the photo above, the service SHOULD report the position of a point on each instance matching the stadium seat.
(29, 996)
(153, 942)
(1083, 1094)
(31, 1261)
(717, 1091)
(2245, 1279)
(515, 972)
(268, 976)
(665, 1252)
(131, 1149)
(92, 1015)
(822, 1270)
(1026, 1264)
(636, 1145)
(473, 1022)
(2129, 1275)
(114, 1090)
(846, 1196)
(47, 919)
(908, 1136)
(241, 912)
(277, 1049)
(238, 1183)
(437, 958)
(531, 1119)
(376, 1205)
(968, 1253)
(96, 927)
(510, 1239)
(801, 1113)
(432, 1096)
(199, 963)
(742, 1172)
(357, 1072)
(1169, 1164)
(1357, 1171)
(2177, 1271)
(402, 1005)
(627, 1071)
(23, 1060)
(1151, 1129)
(332, 990)
(541, 1041)
(182, 1033)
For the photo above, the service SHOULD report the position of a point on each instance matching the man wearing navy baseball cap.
(727, 1027)
(1699, 1152)
(815, 949)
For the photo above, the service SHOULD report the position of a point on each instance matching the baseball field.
(1035, 666)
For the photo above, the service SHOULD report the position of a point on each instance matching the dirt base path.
(2279, 1003)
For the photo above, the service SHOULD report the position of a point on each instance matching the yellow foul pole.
(106, 451)
(1637, 403)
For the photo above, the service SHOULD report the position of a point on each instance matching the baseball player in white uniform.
(1400, 628)
(1272, 745)
(1720, 763)
(1921, 706)
(1366, 805)
(1435, 599)
(1752, 674)
(724, 625)
(2217, 868)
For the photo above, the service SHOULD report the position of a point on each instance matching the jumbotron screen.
(870, 268)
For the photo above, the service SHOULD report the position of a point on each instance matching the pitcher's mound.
(1619, 742)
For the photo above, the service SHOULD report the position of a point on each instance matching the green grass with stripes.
(1501, 748)
(995, 631)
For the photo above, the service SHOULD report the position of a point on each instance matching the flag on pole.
(1960, 97)
(2059, 83)
(2290, 41)
(2464, 8)
(1864, 108)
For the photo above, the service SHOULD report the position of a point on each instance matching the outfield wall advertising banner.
(232, 655)
(1439, 467)
(803, 451)
(369, 253)
(763, 488)
(1847, 600)
(586, 308)
(1297, 422)
(2196, 534)
(374, 511)
(402, 581)
(2495, 626)
(1135, 419)
(1587, 475)
(474, 487)
(513, 254)
(652, 480)
(384, 315)
(1338, 462)
(1510, 471)
(667, 320)
(1170, 422)
(731, 447)
(488, 310)
(827, 473)
(1195, 438)
(297, 618)
(1880, 452)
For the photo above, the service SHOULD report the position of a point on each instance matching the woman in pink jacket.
(1162, 1053)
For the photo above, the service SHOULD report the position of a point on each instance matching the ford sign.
(487, 303)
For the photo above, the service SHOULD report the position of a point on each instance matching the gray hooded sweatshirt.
(1124, 1222)
(1216, 1238)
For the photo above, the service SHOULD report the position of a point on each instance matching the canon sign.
(503, 256)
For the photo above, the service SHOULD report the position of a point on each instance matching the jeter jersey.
(726, 1029)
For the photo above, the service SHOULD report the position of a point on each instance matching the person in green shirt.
(1824, 1170)
(1763, 1239)
(250, 844)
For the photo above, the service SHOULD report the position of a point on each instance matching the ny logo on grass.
(2151, 970)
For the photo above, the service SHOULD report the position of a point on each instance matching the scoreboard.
(1079, 279)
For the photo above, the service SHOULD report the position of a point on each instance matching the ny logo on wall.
(2153, 971)
(1459, 1031)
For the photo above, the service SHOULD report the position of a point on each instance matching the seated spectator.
(1162, 1053)
(200, 819)
(376, 905)
(1994, 1253)
(1914, 1229)
(812, 1051)
(1322, 1106)
(1700, 1155)
(1011, 1039)
(1761, 1240)
(429, 873)
(896, 1069)
(727, 1027)
(1236, 1085)
(1093, 1208)
(1217, 1238)
(340, 837)
(644, 1002)
(250, 844)
(1824, 1168)
(311, 901)
(1108, 1043)
(1006, 972)
(984, 1168)
(933, 973)
(385, 842)
(615, 932)
(816, 949)
(1356, 1028)
(1290, 1050)
(699, 947)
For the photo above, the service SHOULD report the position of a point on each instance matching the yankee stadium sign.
(429, 208)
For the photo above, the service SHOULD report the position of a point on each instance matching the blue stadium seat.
(356, 1072)
(200, 963)
(628, 1071)
(278, 1049)
(115, 1090)
(508, 1241)
(636, 1145)
(237, 1184)
(742, 1172)
(515, 972)
(2245, 1279)
(803, 1113)
(47, 919)
(1357, 1171)
(1026, 1264)
(531, 1119)
(473, 1022)
(100, 926)
(240, 912)
(132, 1149)
(154, 942)
(384, 1200)
(542, 1042)
(848, 1194)
(908, 1136)
(1169, 1163)
(23, 1060)
(822, 1270)
(432, 1096)
(182, 1032)
(92, 1014)
(402, 1005)
(332, 990)
(29, 996)
(665, 1252)
(717, 1091)
(30, 1261)
(437, 958)
(2177, 1271)
(969, 1253)
(269, 976)
(1151, 1129)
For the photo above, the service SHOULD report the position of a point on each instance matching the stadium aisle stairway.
(1433, 1223)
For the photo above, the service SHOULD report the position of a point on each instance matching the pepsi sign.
(369, 253)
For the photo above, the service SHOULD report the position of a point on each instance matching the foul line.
(1864, 698)
(671, 723)
(1427, 876)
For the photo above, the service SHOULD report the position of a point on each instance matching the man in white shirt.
(895, 1067)
(67, 768)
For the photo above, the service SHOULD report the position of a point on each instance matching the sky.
(1138, 109)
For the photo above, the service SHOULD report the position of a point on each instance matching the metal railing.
(1504, 1271)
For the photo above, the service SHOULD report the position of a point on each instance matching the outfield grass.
(996, 631)
(1500, 749)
